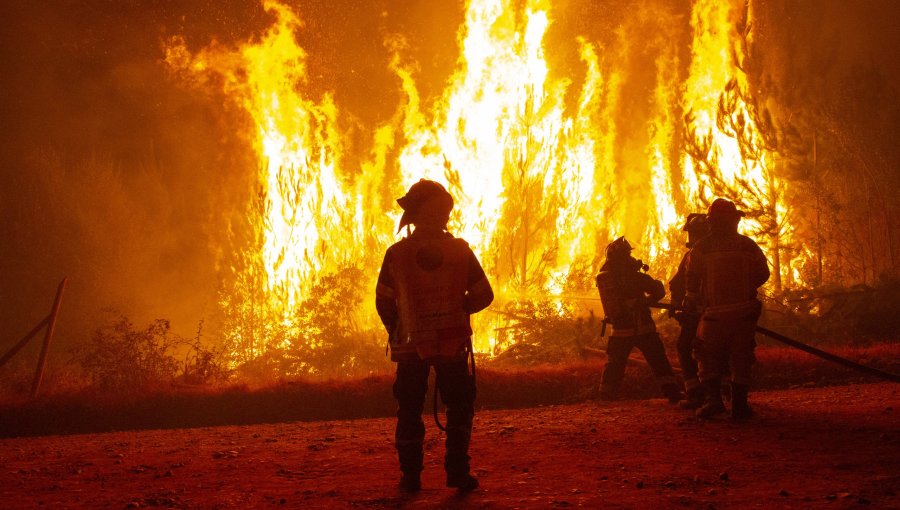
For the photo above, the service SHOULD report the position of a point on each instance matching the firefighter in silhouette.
(429, 284)
(625, 292)
(697, 228)
(724, 271)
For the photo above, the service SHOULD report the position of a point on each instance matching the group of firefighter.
(431, 282)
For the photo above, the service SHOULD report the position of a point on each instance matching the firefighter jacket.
(723, 272)
(429, 284)
(625, 293)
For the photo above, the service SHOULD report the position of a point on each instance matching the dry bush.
(16, 378)
(327, 334)
(857, 315)
(331, 339)
(203, 364)
(119, 357)
(540, 332)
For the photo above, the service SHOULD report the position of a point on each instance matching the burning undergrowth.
(124, 360)
(322, 336)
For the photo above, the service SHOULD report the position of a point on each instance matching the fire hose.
(434, 405)
(806, 348)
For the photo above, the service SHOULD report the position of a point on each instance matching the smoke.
(111, 174)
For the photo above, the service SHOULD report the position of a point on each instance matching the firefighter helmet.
(696, 222)
(428, 197)
(618, 249)
(697, 227)
(721, 208)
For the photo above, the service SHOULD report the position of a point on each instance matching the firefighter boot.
(672, 392)
(693, 399)
(410, 482)
(456, 462)
(411, 460)
(714, 405)
(740, 410)
(464, 482)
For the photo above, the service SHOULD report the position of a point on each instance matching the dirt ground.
(831, 447)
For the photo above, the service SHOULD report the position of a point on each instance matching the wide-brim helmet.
(723, 208)
(695, 222)
(425, 197)
(618, 249)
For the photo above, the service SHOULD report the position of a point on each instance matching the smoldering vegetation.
(115, 174)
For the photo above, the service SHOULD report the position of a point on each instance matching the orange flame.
(540, 188)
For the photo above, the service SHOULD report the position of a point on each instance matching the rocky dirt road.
(830, 447)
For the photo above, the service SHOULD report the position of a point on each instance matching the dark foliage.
(119, 357)
(329, 338)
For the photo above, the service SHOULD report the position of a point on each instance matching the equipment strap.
(434, 403)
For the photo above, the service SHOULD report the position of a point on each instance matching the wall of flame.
(541, 182)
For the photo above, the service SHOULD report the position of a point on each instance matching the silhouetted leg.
(694, 397)
(652, 348)
(710, 350)
(409, 390)
(457, 389)
(741, 360)
(617, 350)
(685, 347)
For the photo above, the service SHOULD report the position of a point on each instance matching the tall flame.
(540, 185)
(743, 164)
(310, 218)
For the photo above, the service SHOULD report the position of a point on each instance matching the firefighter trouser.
(685, 347)
(457, 390)
(726, 343)
(617, 351)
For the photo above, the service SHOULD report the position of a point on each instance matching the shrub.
(331, 338)
(202, 364)
(118, 356)
(540, 332)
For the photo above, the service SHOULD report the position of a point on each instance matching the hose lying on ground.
(834, 358)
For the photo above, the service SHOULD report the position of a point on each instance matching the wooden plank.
(16, 348)
(51, 327)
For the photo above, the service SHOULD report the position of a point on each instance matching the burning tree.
(525, 243)
(743, 156)
(543, 172)
(755, 187)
